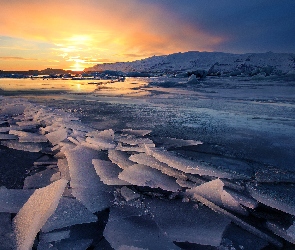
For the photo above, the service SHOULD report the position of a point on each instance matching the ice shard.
(108, 172)
(214, 192)
(57, 136)
(35, 212)
(85, 183)
(186, 165)
(142, 175)
(120, 158)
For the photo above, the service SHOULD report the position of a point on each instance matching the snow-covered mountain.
(210, 63)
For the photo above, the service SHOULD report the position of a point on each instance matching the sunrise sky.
(74, 34)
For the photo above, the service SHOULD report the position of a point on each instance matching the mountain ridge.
(212, 63)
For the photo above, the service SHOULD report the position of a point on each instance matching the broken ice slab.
(6, 235)
(279, 196)
(108, 172)
(185, 222)
(54, 236)
(57, 136)
(63, 168)
(35, 212)
(286, 233)
(40, 179)
(73, 140)
(244, 200)
(8, 137)
(101, 144)
(107, 135)
(26, 124)
(68, 212)
(23, 146)
(186, 165)
(11, 200)
(29, 137)
(4, 129)
(133, 141)
(120, 158)
(45, 160)
(150, 161)
(140, 149)
(214, 192)
(136, 132)
(142, 175)
(94, 199)
(135, 232)
(238, 221)
(129, 194)
(85, 183)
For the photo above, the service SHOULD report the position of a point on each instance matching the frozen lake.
(247, 130)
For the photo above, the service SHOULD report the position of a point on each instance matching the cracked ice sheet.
(68, 212)
(11, 200)
(35, 212)
(184, 222)
(142, 175)
(85, 183)
(134, 231)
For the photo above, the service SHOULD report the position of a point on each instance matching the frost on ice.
(35, 212)
(134, 191)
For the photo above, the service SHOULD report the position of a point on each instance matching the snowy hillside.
(210, 63)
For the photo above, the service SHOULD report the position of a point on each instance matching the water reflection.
(131, 86)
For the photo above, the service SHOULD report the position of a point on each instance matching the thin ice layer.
(68, 212)
(108, 172)
(85, 183)
(11, 200)
(142, 175)
(33, 215)
(183, 222)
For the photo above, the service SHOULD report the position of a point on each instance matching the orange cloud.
(115, 30)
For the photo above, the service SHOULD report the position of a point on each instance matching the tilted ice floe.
(133, 191)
